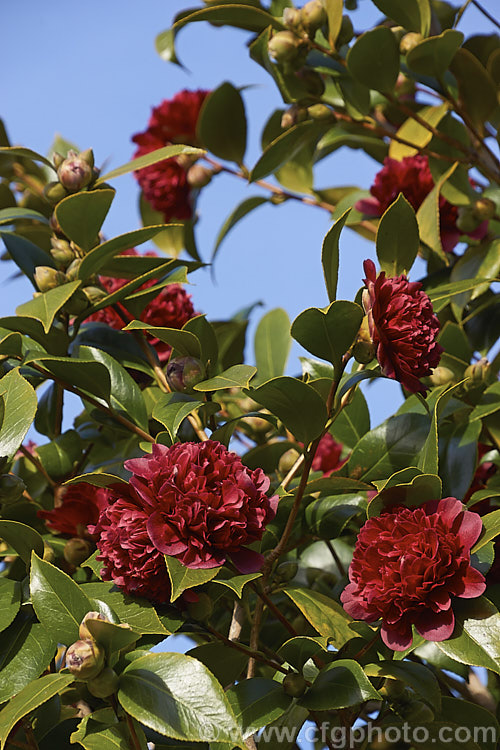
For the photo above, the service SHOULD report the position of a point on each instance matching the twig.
(274, 609)
(254, 654)
(486, 14)
(37, 464)
(237, 620)
(30, 735)
(338, 561)
(254, 636)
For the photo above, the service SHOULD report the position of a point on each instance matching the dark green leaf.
(241, 16)
(225, 664)
(433, 56)
(374, 59)
(489, 404)
(272, 344)
(147, 160)
(55, 342)
(412, 15)
(257, 702)
(184, 342)
(26, 254)
(24, 153)
(237, 376)
(429, 458)
(328, 516)
(26, 651)
(457, 456)
(428, 217)
(86, 374)
(183, 578)
(330, 256)
(239, 213)
(222, 124)
(178, 697)
(285, 146)
(328, 334)
(81, 216)
(10, 596)
(477, 89)
(59, 602)
(61, 455)
(111, 636)
(138, 613)
(45, 307)
(172, 409)
(300, 649)
(237, 583)
(326, 616)
(339, 685)
(300, 407)
(97, 479)
(22, 538)
(20, 404)
(397, 238)
(417, 676)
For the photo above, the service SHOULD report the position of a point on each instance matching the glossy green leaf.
(477, 89)
(330, 256)
(45, 307)
(110, 636)
(97, 735)
(457, 456)
(86, 374)
(20, 404)
(25, 153)
(205, 333)
(238, 376)
(25, 652)
(33, 695)
(285, 146)
(222, 124)
(103, 253)
(178, 697)
(413, 131)
(55, 342)
(296, 651)
(10, 596)
(334, 13)
(326, 615)
(138, 613)
(241, 16)
(239, 213)
(61, 455)
(476, 638)
(491, 529)
(300, 407)
(256, 702)
(432, 57)
(442, 295)
(14, 213)
(81, 216)
(172, 409)
(147, 160)
(183, 578)
(339, 685)
(165, 46)
(428, 217)
(125, 395)
(328, 516)
(429, 457)
(26, 255)
(397, 238)
(479, 720)
(419, 677)
(481, 263)
(97, 479)
(406, 491)
(272, 344)
(226, 665)
(22, 538)
(237, 583)
(374, 59)
(184, 342)
(489, 403)
(412, 15)
(59, 602)
(328, 334)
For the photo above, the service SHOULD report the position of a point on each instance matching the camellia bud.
(84, 632)
(88, 157)
(85, 659)
(61, 251)
(346, 32)
(294, 685)
(442, 376)
(47, 278)
(94, 294)
(287, 461)
(313, 16)
(312, 81)
(484, 209)
(286, 571)
(11, 488)
(479, 372)
(54, 192)
(77, 550)
(467, 221)
(284, 46)
(364, 349)
(105, 684)
(73, 268)
(184, 372)
(75, 173)
(293, 116)
(320, 112)
(291, 18)
(48, 553)
(409, 42)
(57, 159)
(199, 176)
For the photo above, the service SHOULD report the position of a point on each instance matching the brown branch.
(254, 654)
(485, 13)
(37, 464)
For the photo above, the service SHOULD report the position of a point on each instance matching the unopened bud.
(364, 349)
(94, 294)
(186, 160)
(467, 221)
(484, 209)
(288, 460)
(84, 632)
(57, 159)
(73, 268)
(409, 42)
(442, 376)
(11, 488)
(202, 608)
(293, 116)
(105, 684)
(88, 157)
(54, 192)
(184, 372)
(74, 173)
(346, 32)
(479, 372)
(291, 18)
(284, 46)
(286, 571)
(312, 81)
(85, 659)
(199, 176)
(77, 550)
(392, 688)
(320, 112)
(62, 251)
(294, 684)
(313, 16)
(47, 278)
(48, 553)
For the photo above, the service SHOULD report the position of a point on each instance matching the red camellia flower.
(402, 326)
(408, 564)
(80, 508)
(194, 501)
(327, 457)
(165, 184)
(412, 177)
(171, 308)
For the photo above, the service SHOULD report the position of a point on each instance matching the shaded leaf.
(222, 124)
(330, 256)
(325, 614)
(374, 59)
(397, 238)
(339, 685)
(20, 405)
(81, 216)
(272, 344)
(328, 334)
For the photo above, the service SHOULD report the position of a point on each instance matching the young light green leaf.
(416, 133)
(183, 578)
(45, 307)
(237, 376)
(326, 616)
(167, 152)
(20, 405)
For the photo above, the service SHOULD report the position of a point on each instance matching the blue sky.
(91, 73)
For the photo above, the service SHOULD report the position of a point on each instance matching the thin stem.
(30, 735)
(362, 651)
(254, 636)
(254, 654)
(58, 410)
(37, 464)
(486, 14)
(136, 744)
(274, 609)
(338, 561)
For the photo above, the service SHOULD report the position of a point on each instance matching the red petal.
(436, 626)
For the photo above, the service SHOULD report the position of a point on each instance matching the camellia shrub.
(331, 575)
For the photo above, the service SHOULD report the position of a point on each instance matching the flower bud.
(47, 278)
(77, 550)
(88, 157)
(184, 372)
(291, 18)
(293, 116)
(284, 46)
(294, 685)
(11, 488)
(392, 688)
(484, 209)
(320, 112)
(54, 192)
(346, 32)
(84, 632)
(62, 251)
(364, 351)
(409, 42)
(312, 81)
(75, 173)
(105, 684)
(201, 609)
(77, 303)
(57, 159)
(313, 16)
(286, 571)
(287, 461)
(442, 376)
(48, 553)
(186, 160)
(94, 294)
(85, 659)
(73, 268)
(199, 176)
(466, 221)
(480, 372)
